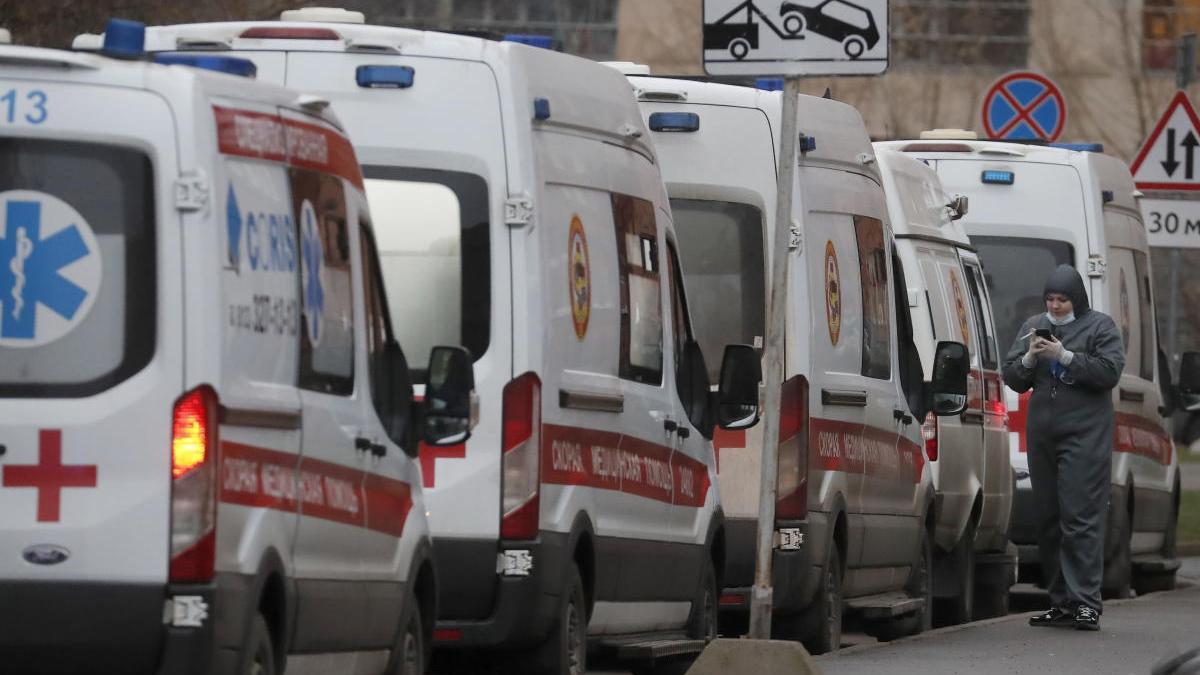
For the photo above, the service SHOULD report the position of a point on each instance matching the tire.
(565, 650)
(739, 48)
(1118, 569)
(821, 624)
(854, 46)
(408, 656)
(991, 601)
(793, 23)
(1162, 581)
(259, 656)
(959, 608)
(702, 622)
(920, 585)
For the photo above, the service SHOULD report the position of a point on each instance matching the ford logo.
(45, 554)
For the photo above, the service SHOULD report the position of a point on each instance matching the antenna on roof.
(828, 93)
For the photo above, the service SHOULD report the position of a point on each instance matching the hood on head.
(1066, 280)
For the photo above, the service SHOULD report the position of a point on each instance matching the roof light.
(542, 41)
(769, 83)
(992, 177)
(323, 15)
(384, 77)
(290, 33)
(124, 39)
(936, 147)
(541, 108)
(674, 121)
(1080, 147)
(222, 64)
(949, 135)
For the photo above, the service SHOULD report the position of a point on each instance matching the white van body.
(968, 453)
(1079, 208)
(854, 487)
(544, 246)
(180, 416)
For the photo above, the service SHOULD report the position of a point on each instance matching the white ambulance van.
(518, 203)
(855, 508)
(206, 452)
(968, 453)
(1033, 208)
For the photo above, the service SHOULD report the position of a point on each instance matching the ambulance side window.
(327, 329)
(378, 334)
(641, 352)
(681, 328)
(872, 268)
(1145, 314)
(983, 322)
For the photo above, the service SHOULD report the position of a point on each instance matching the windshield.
(1015, 270)
(431, 228)
(721, 253)
(77, 266)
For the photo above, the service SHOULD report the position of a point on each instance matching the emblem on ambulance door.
(1125, 314)
(312, 266)
(833, 293)
(50, 268)
(960, 307)
(579, 277)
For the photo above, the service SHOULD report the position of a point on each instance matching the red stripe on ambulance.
(274, 138)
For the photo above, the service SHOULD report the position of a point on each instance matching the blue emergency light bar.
(1080, 147)
(541, 108)
(384, 77)
(991, 177)
(674, 121)
(542, 41)
(769, 83)
(222, 64)
(124, 39)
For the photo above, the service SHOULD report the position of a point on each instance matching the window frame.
(639, 209)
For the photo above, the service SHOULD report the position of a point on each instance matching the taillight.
(521, 442)
(929, 431)
(791, 483)
(290, 33)
(194, 486)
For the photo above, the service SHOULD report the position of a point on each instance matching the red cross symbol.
(1017, 419)
(49, 476)
(430, 454)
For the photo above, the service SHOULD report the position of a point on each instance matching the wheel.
(959, 607)
(259, 657)
(1118, 569)
(408, 656)
(702, 622)
(739, 48)
(821, 624)
(793, 23)
(920, 585)
(854, 46)
(1162, 581)
(991, 600)
(565, 650)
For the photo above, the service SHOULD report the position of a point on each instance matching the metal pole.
(762, 592)
(1185, 61)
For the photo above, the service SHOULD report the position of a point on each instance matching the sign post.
(792, 39)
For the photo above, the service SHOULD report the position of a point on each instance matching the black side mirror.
(1165, 387)
(399, 392)
(958, 207)
(947, 391)
(448, 390)
(1189, 381)
(691, 380)
(737, 396)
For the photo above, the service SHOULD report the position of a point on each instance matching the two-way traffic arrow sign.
(1167, 160)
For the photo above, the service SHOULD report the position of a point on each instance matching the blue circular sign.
(1024, 105)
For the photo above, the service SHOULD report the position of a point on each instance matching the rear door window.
(77, 266)
(1015, 270)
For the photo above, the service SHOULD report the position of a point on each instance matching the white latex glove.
(1053, 348)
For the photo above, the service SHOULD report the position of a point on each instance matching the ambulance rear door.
(91, 358)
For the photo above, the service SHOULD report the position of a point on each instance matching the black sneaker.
(1087, 618)
(1055, 617)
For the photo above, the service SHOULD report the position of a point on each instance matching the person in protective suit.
(1069, 435)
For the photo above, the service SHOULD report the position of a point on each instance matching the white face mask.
(1061, 322)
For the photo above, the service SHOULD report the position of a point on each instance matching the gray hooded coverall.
(1069, 437)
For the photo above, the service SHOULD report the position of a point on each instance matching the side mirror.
(958, 207)
(947, 392)
(691, 380)
(1189, 381)
(737, 396)
(448, 390)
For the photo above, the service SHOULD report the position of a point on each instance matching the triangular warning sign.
(1170, 157)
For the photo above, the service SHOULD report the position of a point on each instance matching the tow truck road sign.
(1168, 160)
(795, 37)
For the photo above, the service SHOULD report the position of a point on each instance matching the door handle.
(972, 417)
(1132, 396)
(683, 432)
(365, 445)
(670, 426)
(902, 416)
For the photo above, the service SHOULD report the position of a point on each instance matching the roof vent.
(627, 67)
(323, 15)
(949, 135)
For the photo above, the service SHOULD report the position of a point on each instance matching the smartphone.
(1043, 333)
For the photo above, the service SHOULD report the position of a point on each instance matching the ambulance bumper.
(525, 606)
(794, 574)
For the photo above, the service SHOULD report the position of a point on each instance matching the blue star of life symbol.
(29, 270)
(314, 293)
(233, 226)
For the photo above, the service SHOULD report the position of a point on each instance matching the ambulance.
(967, 454)
(856, 508)
(1035, 207)
(207, 434)
(519, 204)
